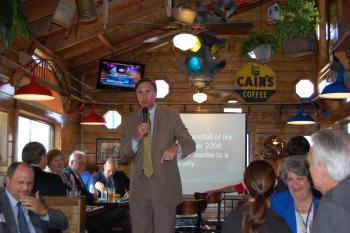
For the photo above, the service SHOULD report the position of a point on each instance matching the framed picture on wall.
(106, 148)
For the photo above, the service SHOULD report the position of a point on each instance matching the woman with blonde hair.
(255, 216)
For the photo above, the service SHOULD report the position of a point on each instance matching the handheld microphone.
(145, 117)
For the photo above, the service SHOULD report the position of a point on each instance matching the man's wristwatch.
(46, 211)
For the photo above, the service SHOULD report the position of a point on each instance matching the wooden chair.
(74, 207)
(213, 198)
(189, 216)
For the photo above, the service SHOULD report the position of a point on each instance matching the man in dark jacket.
(109, 177)
(48, 184)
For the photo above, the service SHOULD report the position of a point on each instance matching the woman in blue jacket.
(297, 206)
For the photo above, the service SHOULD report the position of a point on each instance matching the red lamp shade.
(93, 119)
(33, 91)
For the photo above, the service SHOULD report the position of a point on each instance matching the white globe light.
(200, 97)
(184, 41)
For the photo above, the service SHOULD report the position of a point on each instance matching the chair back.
(190, 207)
(74, 207)
(189, 216)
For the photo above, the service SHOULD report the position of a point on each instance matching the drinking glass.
(104, 195)
(111, 194)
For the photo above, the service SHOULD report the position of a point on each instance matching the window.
(113, 119)
(33, 131)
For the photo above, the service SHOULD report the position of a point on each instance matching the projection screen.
(220, 155)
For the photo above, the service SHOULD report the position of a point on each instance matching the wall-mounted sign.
(255, 82)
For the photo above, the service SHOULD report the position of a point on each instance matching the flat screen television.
(119, 75)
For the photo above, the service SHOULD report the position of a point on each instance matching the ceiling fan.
(194, 17)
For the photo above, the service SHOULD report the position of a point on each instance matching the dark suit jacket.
(273, 223)
(80, 185)
(333, 211)
(168, 129)
(121, 181)
(48, 184)
(57, 219)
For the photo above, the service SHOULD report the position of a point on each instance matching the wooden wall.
(264, 119)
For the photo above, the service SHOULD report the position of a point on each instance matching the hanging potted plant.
(12, 22)
(297, 27)
(259, 45)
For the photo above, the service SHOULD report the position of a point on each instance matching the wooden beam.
(85, 32)
(37, 9)
(125, 46)
(106, 42)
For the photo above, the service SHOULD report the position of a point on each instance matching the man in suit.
(21, 212)
(48, 184)
(110, 177)
(118, 180)
(329, 161)
(76, 165)
(155, 187)
(99, 223)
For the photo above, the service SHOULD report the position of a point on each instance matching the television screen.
(119, 75)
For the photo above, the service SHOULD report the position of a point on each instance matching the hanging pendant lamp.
(300, 118)
(34, 91)
(93, 118)
(336, 90)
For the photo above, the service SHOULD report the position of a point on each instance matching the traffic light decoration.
(201, 65)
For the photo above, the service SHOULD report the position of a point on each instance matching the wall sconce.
(184, 41)
(336, 90)
(200, 97)
(301, 118)
(93, 118)
(33, 91)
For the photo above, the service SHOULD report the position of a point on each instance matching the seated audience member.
(109, 177)
(76, 165)
(118, 180)
(55, 161)
(329, 162)
(87, 176)
(297, 145)
(254, 216)
(22, 212)
(297, 206)
(48, 184)
(100, 223)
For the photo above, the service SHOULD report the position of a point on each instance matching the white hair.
(75, 154)
(332, 147)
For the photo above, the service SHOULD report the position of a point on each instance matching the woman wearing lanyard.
(297, 206)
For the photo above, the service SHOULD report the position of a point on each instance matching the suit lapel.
(36, 222)
(157, 121)
(6, 210)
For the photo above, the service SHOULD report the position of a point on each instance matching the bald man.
(110, 177)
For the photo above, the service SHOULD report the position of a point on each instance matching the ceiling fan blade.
(157, 46)
(218, 94)
(155, 39)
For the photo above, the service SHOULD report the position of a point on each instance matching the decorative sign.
(255, 82)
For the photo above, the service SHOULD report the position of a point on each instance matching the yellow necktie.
(147, 152)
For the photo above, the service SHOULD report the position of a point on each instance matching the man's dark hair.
(12, 168)
(154, 85)
(32, 152)
(298, 145)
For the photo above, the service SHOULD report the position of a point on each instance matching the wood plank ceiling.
(129, 24)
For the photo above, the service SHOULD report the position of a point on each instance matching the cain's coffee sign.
(255, 82)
